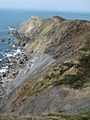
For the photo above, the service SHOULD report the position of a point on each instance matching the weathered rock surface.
(55, 77)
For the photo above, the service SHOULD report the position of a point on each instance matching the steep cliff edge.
(54, 36)
(56, 77)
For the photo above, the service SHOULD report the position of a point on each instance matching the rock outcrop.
(56, 76)
(55, 36)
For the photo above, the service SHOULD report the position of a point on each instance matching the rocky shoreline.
(21, 66)
(47, 75)
(15, 63)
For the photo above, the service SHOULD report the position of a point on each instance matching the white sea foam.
(13, 46)
(16, 52)
(9, 54)
(0, 60)
(11, 28)
(12, 54)
(3, 70)
(6, 67)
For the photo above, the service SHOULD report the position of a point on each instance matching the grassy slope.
(46, 116)
(73, 73)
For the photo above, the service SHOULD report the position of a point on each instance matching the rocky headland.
(51, 78)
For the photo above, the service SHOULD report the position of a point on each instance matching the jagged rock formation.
(56, 36)
(56, 77)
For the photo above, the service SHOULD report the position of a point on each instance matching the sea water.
(10, 19)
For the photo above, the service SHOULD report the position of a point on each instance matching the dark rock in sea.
(21, 61)
(8, 42)
(4, 75)
(1, 82)
(8, 32)
(3, 40)
(9, 39)
(23, 44)
(15, 73)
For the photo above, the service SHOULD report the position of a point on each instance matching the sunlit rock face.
(30, 24)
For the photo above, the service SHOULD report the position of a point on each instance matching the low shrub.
(74, 81)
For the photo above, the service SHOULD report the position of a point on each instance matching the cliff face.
(55, 36)
(58, 78)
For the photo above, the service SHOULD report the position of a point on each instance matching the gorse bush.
(74, 81)
(85, 61)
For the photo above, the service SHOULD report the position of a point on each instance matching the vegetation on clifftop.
(63, 84)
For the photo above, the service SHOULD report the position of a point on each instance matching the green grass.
(71, 80)
(87, 47)
(83, 116)
(78, 80)
(47, 27)
(87, 84)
